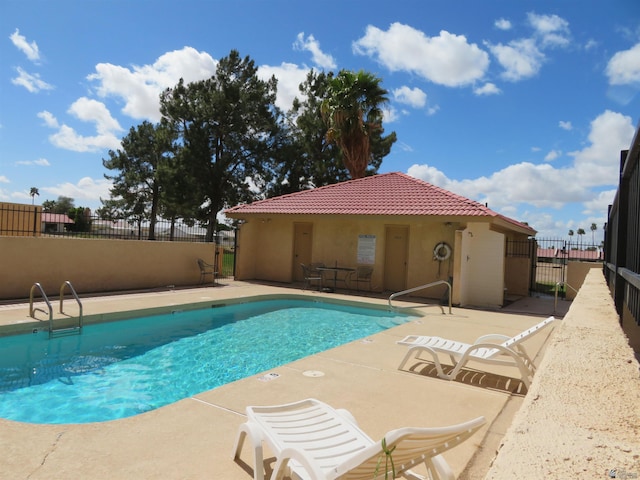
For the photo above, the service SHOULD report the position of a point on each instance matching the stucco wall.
(265, 247)
(517, 275)
(576, 273)
(580, 418)
(482, 266)
(96, 265)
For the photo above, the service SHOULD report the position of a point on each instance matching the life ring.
(442, 252)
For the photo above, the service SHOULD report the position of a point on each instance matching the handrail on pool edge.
(421, 287)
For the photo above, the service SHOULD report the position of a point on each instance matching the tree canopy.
(226, 127)
(352, 111)
(137, 187)
(222, 141)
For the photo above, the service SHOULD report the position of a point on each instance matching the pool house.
(411, 233)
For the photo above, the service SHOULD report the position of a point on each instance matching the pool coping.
(31, 324)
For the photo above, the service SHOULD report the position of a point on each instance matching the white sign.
(366, 249)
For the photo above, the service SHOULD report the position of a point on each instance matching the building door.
(395, 257)
(302, 237)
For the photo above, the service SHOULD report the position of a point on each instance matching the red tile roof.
(592, 255)
(384, 194)
(55, 218)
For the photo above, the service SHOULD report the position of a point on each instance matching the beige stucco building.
(411, 232)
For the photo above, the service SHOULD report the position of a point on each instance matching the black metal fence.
(30, 221)
(549, 258)
(622, 235)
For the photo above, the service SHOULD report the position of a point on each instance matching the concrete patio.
(193, 438)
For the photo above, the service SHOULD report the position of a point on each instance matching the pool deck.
(193, 438)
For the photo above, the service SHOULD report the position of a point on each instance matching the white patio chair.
(312, 440)
(484, 349)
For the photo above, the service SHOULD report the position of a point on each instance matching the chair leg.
(256, 442)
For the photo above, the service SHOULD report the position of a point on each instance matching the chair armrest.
(347, 414)
(491, 338)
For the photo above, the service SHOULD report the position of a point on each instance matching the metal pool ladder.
(76, 329)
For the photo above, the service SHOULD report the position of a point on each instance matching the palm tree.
(594, 227)
(352, 112)
(580, 232)
(33, 192)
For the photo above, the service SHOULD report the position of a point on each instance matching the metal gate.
(549, 258)
(549, 266)
(225, 253)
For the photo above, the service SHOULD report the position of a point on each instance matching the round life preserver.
(442, 251)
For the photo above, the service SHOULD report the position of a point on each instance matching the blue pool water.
(119, 369)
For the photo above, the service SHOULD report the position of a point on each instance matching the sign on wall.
(366, 249)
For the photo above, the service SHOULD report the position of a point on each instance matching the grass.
(549, 288)
(228, 260)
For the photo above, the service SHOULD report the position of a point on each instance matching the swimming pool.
(119, 369)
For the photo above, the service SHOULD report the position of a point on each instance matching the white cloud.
(520, 58)
(310, 44)
(4, 179)
(433, 110)
(87, 192)
(551, 30)
(29, 49)
(599, 163)
(502, 24)
(537, 185)
(49, 119)
(31, 82)
(413, 97)
(600, 203)
(552, 155)
(289, 76)
(141, 86)
(447, 59)
(544, 186)
(390, 114)
(90, 111)
(429, 174)
(41, 162)
(624, 67)
(590, 45)
(487, 89)
(404, 146)
(565, 125)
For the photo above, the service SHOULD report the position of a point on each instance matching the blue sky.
(524, 105)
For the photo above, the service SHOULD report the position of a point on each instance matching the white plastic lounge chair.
(312, 440)
(484, 349)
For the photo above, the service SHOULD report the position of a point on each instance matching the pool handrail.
(557, 287)
(75, 295)
(32, 310)
(421, 287)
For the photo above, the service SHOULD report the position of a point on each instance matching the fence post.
(35, 221)
(621, 236)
